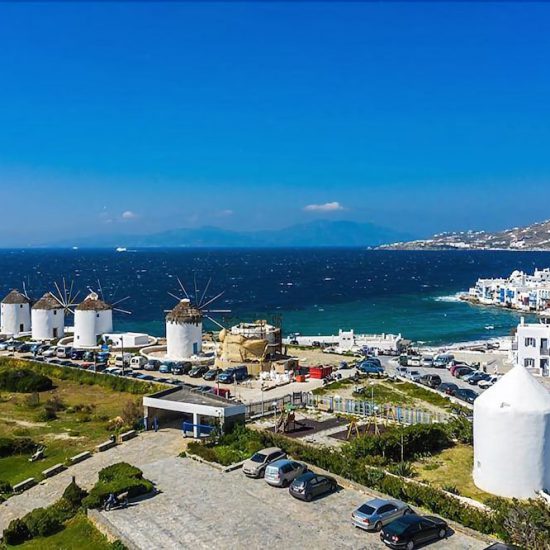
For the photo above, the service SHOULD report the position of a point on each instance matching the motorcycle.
(118, 501)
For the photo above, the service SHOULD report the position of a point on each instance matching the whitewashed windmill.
(15, 311)
(48, 314)
(184, 321)
(93, 317)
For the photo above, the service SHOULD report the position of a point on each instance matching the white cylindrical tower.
(512, 436)
(15, 312)
(92, 317)
(48, 318)
(183, 331)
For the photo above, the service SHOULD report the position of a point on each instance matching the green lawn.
(73, 431)
(78, 534)
(451, 467)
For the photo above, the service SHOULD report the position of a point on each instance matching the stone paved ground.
(203, 508)
(145, 448)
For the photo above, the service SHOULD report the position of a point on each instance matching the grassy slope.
(64, 437)
(451, 467)
(78, 534)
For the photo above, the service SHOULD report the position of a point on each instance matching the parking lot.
(201, 507)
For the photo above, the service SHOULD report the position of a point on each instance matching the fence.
(403, 415)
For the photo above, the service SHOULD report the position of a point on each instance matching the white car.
(50, 352)
(413, 375)
(484, 384)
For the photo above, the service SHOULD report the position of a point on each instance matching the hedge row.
(117, 383)
(15, 446)
(23, 380)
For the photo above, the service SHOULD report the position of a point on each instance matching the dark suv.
(431, 380)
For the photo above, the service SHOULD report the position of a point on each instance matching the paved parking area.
(203, 508)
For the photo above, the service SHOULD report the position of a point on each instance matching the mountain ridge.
(318, 233)
(535, 236)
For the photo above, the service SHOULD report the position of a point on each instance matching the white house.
(531, 347)
(183, 331)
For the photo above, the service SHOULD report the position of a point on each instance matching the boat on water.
(121, 249)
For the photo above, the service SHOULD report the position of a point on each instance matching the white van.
(138, 361)
(64, 352)
(119, 359)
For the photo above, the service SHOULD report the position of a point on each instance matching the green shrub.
(74, 494)
(15, 446)
(101, 490)
(23, 380)
(46, 414)
(42, 522)
(461, 429)
(16, 532)
(5, 486)
(118, 471)
(403, 469)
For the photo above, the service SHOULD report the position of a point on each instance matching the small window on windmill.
(55, 311)
(97, 314)
(20, 305)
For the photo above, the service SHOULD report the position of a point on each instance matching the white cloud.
(226, 212)
(326, 207)
(128, 215)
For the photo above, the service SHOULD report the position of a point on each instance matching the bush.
(15, 446)
(42, 522)
(23, 380)
(5, 486)
(118, 471)
(46, 414)
(132, 413)
(16, 532)
(74, 494)
(116, 479)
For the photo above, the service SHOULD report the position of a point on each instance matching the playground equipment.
(38, 454)
(287, 418)
(353, 427)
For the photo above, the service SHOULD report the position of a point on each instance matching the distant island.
(531, 237)
(318, 233)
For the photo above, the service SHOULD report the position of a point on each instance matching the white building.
(183, 331)
(127, 339)
(519, 291)
(48, 318)
(15, 314)
(512, 436)
(531, 347)
(92, 317)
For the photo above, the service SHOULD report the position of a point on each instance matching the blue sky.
(141, 117)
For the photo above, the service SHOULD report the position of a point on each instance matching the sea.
(307, 291)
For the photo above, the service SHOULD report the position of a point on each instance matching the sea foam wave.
(449, 298)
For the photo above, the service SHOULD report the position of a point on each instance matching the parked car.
(467, 395)
(211, 374)
(458, 372)
(427, 361)
(281, 472)
(448, 388)
(63, 352)
(138, 361)
(413, 375)
(165, 369)
(441, 360)
(77, 354)
(233, 374)
(431, 380)
(66, 363)
(255, 466)
(484, 384)
(476, 377)
(370, 368)
(198, 371)
(401, 371)
(145, 377)
(414, 360)
(25, 348)
(50, 352)
(377, 512)
(53, 360)
(152, 364)
(412, 530)
(311, 485)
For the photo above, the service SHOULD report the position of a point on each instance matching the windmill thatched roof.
(184, 312)
(48, 301)
(93, 303)
(16, 297)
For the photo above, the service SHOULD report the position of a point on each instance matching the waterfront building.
(531, 346)
(183, 331)
(15, 314)
(512, 436)
(519, 291)
(92, 317)
(47, 318)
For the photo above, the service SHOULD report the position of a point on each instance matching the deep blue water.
(314, 291)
